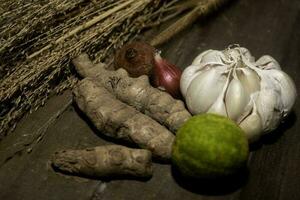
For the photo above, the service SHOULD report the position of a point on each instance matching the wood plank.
(264, 27)
(30, 176)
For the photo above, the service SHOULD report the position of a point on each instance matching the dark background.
(264, 27)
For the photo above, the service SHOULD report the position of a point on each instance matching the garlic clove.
(198, 59)
(218, 106)
(200, 95)
(287, 89)
(249, 79)
(247, 111)
(267, 62)
(209, 56)
(252, 126)
(246, 53)
(250, 121)
(236, 99)
(187, 76)
(268, 102)
(269, 108)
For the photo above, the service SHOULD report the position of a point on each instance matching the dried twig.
(86, 25)
(201, 8)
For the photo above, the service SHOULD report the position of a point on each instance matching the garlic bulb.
(255, 94)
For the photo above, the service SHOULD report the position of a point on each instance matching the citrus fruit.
(209, 146)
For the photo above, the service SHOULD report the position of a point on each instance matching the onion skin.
(137, 58)
(140, 58)
(166, 76)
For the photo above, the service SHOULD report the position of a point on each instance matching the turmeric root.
(136, 92)
(119, 120)
(104, 161)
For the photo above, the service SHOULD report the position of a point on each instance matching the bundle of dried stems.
(38, 38)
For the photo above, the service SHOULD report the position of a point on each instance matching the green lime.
(210, 146)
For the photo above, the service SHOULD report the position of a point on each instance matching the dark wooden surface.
(264, 27)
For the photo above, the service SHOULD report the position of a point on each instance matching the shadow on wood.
(212, 187)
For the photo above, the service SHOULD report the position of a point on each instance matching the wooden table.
(264, 27)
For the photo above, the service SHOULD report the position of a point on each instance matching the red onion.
(166, 76)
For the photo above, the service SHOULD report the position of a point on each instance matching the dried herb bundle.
(199, 9)
(38, 38)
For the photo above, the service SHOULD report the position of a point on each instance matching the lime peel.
(210, 146)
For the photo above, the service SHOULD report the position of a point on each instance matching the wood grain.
(264, 27)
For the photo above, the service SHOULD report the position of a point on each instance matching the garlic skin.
(257, 95)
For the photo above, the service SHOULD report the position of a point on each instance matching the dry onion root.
(136, 92)
(104, 161)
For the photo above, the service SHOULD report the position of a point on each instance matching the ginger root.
(136, 92)
(121, 121)
(104, 161)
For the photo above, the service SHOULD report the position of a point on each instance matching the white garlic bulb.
(255, 94)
